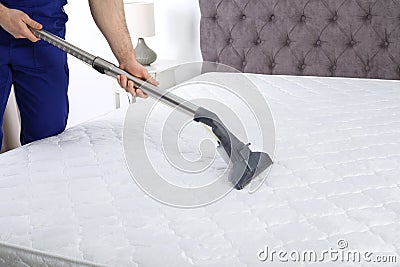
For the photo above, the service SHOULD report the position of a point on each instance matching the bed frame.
(344, 38)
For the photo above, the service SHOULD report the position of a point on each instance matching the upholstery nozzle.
(246, 164)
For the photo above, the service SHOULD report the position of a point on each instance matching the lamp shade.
(140, 19)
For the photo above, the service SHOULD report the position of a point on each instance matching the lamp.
(140, 21)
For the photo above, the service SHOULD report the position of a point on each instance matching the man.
(39, 71)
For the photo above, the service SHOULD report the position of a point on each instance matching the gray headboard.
(345, 38)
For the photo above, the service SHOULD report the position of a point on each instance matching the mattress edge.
(15, 256)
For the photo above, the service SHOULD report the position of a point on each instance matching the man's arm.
(16, 23)
(109, 16)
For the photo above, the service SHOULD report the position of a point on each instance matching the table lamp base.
(144, 54)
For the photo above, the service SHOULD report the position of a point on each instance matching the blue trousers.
(38, 71)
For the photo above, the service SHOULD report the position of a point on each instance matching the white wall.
(177, 37)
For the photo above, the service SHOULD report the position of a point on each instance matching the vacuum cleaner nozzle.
(246, 164)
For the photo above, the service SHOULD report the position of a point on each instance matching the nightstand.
(122, 98)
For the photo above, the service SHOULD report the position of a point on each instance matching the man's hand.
(134, 68)
(16, 23)
(110, 18)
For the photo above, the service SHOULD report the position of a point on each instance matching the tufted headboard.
(345, 38)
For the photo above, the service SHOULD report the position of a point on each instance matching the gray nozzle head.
(246, 164)
(245, 171)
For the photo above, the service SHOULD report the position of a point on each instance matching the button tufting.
(367, 68)
(352, 43)
(272, 17)
(335, 31)
(385, 44)
(302, 67)
(244, 63)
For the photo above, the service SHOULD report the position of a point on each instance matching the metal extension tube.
(246, 163)
(108, 68)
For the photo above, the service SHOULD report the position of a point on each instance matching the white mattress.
(70, 200)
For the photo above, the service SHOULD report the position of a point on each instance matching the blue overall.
(38, 71)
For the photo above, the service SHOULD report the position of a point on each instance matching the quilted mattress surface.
(70, 200)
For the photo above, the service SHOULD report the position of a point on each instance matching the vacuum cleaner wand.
(246, 164)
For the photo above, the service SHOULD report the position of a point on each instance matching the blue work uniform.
(38, 71)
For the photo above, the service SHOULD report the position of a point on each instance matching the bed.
(70, 200)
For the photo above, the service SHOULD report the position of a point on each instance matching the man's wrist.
(3, 11)
(127, 59)
(2, 8)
